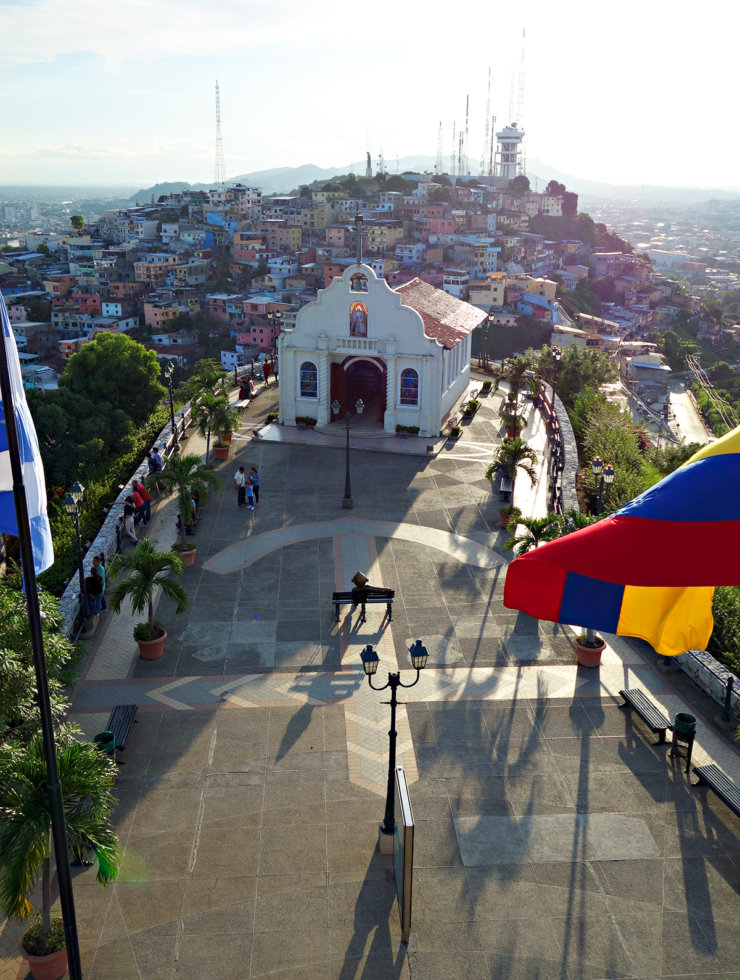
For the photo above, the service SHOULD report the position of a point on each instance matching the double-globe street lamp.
(71, 505)
(370, 661)
(168, 371)
(347, 502)
(556, 355)
(607, 478)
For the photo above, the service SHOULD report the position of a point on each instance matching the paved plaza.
(553, 837)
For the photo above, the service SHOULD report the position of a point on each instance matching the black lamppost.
(607, 477)
(556, 355)
(275, 318)
(71, 502)
(370, 661)
(347, 502)
(168, 372)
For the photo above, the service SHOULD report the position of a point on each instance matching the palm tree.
(512, 455)
(148, 569)
(186, 477)
(207, 376)
(206, 412)
(87, 777)
(536, 531)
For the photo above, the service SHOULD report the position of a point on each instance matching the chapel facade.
(405, 352)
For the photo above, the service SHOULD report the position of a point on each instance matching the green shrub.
(304, 420)
(412, 430)
(455, 431)
(273, 417)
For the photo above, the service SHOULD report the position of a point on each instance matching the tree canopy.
(116, 374)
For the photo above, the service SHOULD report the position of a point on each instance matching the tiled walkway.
(553, 837)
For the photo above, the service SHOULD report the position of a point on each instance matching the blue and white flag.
(33, 470)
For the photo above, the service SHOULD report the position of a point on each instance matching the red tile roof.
(446, 318)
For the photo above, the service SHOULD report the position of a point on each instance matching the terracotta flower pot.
(152, 649)
(221, 452)
(51, 967)
(188, 557)
(589, 656)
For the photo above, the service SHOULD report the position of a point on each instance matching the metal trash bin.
(684, 731)
(106, 742)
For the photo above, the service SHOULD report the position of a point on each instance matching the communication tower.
(220, 169)
(439, 165)
(484, 156)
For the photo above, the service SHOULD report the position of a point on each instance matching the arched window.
(409, 387)
(309, 380)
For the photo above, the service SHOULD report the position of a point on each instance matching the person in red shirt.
(138, 503)
(145, 511)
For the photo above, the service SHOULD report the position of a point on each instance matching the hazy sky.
(123, 92)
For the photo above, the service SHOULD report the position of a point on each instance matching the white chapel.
(405, 352)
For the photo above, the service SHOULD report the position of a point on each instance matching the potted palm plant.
(149, 569)
(188, 478)
(535, 531)
(589, 645)
(512, 455)
(225, 422)
(87, 778)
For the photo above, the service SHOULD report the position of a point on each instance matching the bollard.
(725, 719)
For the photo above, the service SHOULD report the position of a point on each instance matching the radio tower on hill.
(220, 169)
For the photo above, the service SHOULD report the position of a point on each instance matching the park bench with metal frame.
(122, 717)
(361, 597)
(653, 717)
(722, 785)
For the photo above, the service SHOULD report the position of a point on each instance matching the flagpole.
(56, 805)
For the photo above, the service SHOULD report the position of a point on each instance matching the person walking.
(240, 482)
(250, 493)
(255, 478)
(145, 513)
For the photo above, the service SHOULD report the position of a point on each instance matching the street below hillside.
(685, 421)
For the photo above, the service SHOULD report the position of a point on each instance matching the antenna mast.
(453, 169)
(520, 106)
(439, 165)
(488, 117)
(464, 168)
(220, 169)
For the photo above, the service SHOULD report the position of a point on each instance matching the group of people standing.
(247, 487)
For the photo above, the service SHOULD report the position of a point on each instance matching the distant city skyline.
(124, 93)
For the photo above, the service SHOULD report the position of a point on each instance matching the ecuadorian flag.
(649, 570)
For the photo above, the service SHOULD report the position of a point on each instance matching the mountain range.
(283, 180)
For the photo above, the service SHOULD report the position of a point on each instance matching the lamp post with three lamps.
(347, 502)
(370, 661)
(71, 505)
(607, 478)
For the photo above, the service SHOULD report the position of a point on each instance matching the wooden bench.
(345, 598)
(652, 716)
(722, 785)
(121, 719)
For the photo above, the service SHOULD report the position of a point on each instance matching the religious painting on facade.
(358, 283)
(358, 320)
